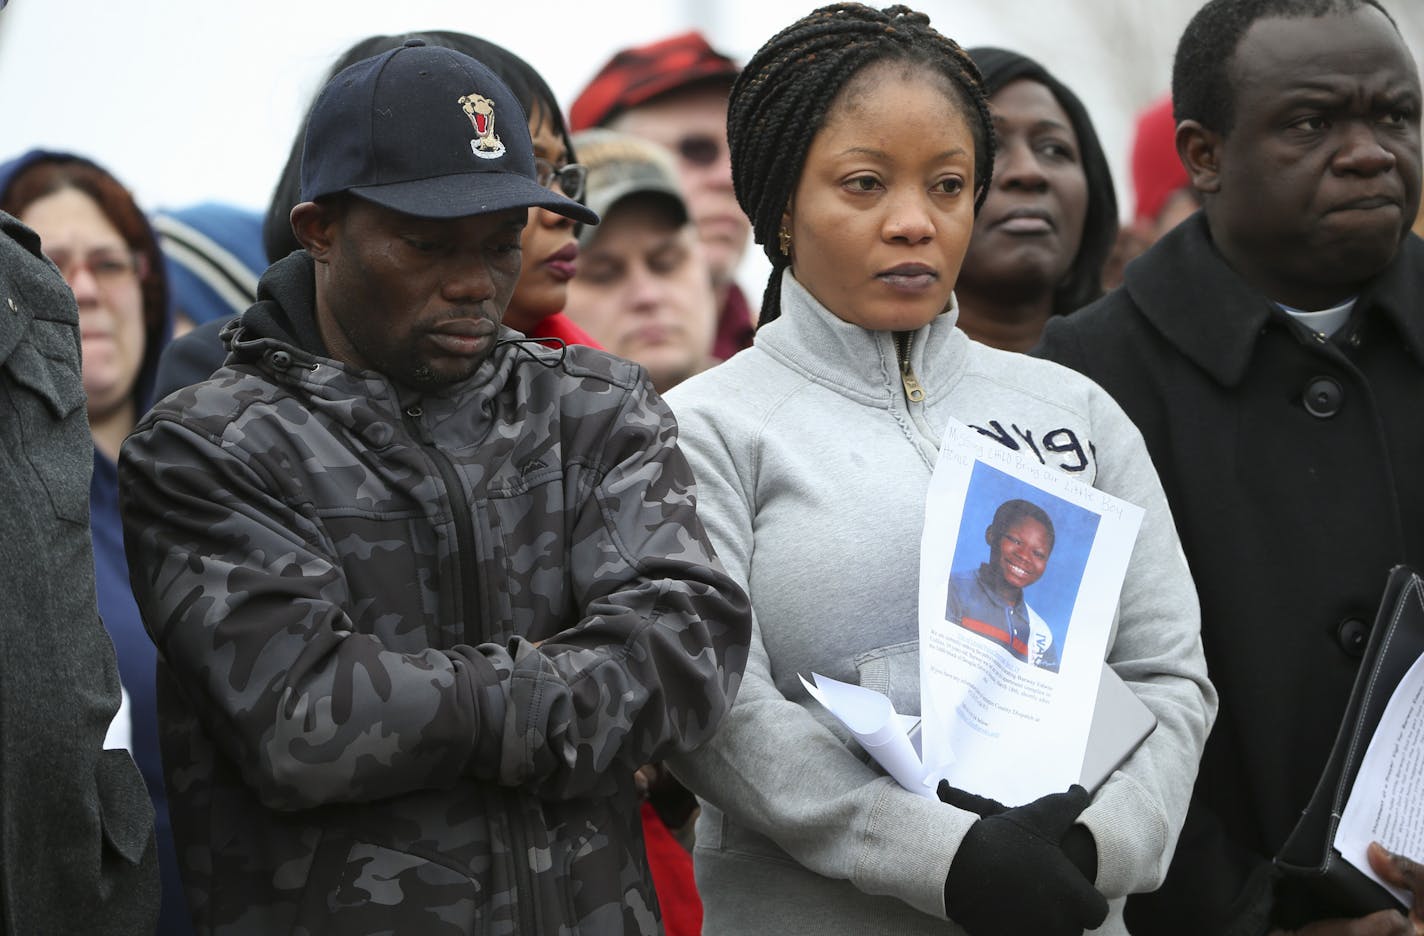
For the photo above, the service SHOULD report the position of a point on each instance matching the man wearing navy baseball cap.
(425, 594)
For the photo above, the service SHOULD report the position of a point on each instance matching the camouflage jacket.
(413, 647)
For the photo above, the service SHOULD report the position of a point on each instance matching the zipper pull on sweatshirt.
(914, 390)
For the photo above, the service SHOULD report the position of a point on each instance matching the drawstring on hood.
(521, 345)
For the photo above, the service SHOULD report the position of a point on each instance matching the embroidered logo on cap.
(480, 110)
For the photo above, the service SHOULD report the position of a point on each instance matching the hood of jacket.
(285, 310)
(214, 257)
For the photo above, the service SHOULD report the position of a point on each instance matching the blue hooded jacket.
(136, 654)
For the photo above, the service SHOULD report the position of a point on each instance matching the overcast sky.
(186, 100)
(195, 100)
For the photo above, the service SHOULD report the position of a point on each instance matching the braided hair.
(781, 99)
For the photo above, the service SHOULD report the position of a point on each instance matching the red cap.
(1157, 172)
(637, 75)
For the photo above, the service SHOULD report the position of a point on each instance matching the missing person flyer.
(1021, 567)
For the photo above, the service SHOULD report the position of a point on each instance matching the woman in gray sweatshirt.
(861, 146)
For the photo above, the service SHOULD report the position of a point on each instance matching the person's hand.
(1011, 876)
(643, 778)
(1383, 923)
(981, 806)
(1077, 842)
(1401, 872)
(1397, 870)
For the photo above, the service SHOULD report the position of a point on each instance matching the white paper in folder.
(1387, 801)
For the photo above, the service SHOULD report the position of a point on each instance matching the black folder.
(1396, 641)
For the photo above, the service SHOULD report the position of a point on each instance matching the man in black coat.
(77, 852)
(1270, 349)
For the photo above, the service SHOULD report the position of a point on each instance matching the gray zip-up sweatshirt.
(812, 469)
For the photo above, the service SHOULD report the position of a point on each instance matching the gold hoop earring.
(783, 240)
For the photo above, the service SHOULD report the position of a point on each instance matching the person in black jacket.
(77, 852)
(1270, 349)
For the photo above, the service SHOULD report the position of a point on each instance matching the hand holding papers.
(1020, 571)
(987, 883)
(1372, 785)
(1120, 723)
(1386, 803)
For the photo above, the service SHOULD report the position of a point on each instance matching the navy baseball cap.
(427, 131)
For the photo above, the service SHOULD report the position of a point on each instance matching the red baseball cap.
(637, 75)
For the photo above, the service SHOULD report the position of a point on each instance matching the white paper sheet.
(884, 733)
(1010, 724)
(120, 733)
(1386, 804)
(1120, 723)
(1016, 725)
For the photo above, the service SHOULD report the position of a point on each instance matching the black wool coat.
(1294, 466)
(77, 853)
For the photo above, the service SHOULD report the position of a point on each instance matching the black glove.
(1011, 875)
(1078, 843)
(981, 806)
